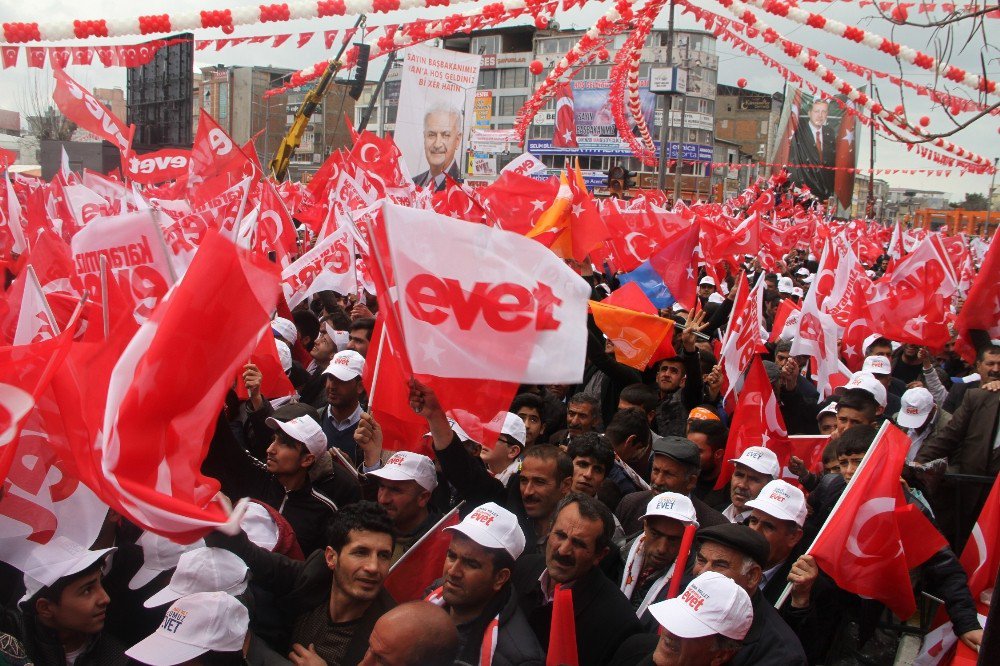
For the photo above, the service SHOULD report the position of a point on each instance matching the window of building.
(487, 79)
(390, 114)
(596, 72)
(542, 131)
(509, 106)
(485, 44)
(516, 77)
(223, 100)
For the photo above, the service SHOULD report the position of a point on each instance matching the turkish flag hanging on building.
(843, 176)
(565, 132)
(873, 537)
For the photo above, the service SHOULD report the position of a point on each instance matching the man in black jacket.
(477, 593)
(335, 596)
(579, 540)
(679, 381)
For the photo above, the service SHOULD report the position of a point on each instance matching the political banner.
(437, 100)
(328, 266)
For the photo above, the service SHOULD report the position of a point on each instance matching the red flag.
(982, 306)
(677, 265)
(86, 111)
(562, 648)
(275, 226)
(631, 297)
(215, 153)
(167, 389)
(274, 381)
(981, 555)
(873, 537)
(743, 339)
(423, 563)
(10, 54)
(565, 131)
(516, 202)
(843, 175)
(757, 421)
(787, 314)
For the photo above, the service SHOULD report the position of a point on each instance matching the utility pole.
(989, 198)
(680, 138)
(661, 169)
(870, 204)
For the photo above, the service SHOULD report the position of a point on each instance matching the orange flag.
(636, 336)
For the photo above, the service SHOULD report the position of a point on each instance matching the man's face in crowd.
(361, 565)
(676, 651)
(818, 113)
(341, 394)
(849, 464)
(502, 454)
(404, 501)
(745, 485)
(670, 376)
(880, 350)
(532, 423)
(662, 541)
(580, 417)
(285, 458)
(540, 492)
(668, 475)
(989, 367)
(324, 348)
(82, 607)
(558, 390)
(571, 549)
(470, 579)
(442, 135)
(910, 352)
(358, 341)
(780, 357)
(705, 290)
(782, 535)
(828, 424)
(848, 417)
(884, 380)
(728, 562)
(588, 475)
(710, 458)
(831, 466)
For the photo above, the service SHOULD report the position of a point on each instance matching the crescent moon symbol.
(868, 511)
(363, 152)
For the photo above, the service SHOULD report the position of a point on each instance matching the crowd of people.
(587, 489)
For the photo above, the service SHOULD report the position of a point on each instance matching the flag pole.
(378, 364)
(682, 557)
(427, 534)
(857, 473)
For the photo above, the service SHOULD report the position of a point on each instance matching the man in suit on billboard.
(815, 143)
(442, 138)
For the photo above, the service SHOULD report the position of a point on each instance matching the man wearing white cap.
(778, 514)
(919, 417)
(61, 617)
(703, 626)
(706, 287)
(649, 566)
(504, 459)
(476, 591)
(405, 484)
(755, 467)
(881, 369)
(785, 286)
(858, 404)
(343, 395)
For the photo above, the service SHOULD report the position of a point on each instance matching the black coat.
(43, 646)
(604, 616)
(770, 641)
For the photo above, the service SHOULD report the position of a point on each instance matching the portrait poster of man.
(818, 145)
(436, 111)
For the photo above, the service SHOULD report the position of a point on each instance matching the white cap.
(785, 285)
(58, 558)
(797, 291)
(492, 526)
(760, 460)
(159, 554)
(672, 505)
(346, 365)
(678, 307)
(803, 271)
(285, 329)
(284, 355)
(710, 604)
(869, 340)
(866, 382)
(808, 279)
(408, 466)
(716, 297)
(340, 338)
(193, 625)
(877, 365)
(781, 500)
(831, 408)
(915, 405)
(707, 280)
(203, 570)
(259, 526)
(511, 425)
(870, 273)
(303, 429)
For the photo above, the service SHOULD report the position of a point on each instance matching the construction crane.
(313, 98)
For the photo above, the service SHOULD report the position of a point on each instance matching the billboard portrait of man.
(813, 145)
(443, 129)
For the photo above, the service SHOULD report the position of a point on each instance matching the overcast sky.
(982, 136)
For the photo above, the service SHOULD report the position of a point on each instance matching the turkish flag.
(745, 334)
(517, 202)
(981, 555)
(571, 227)
(843, 175)
(785, 316)
(82, 55)
(675, 262)
(380, 157)
(275, 226)
(757, 421)
(565, 127)
(77, 104)
(562, 649)
(423, 563)
(460, 202)
(59, 56)
(36, 56)
(873, 538)
(635, 336)
(304, 38)
(10, 54)
(981, 310)
(274, 381)
(631, 297)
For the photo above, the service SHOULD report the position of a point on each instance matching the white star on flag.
(431, 351)
(537, 205)
(567, 135)
(849, 137)
(577, 209)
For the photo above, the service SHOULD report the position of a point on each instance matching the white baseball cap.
(285, 329)
(866, 381)
(781, 500)
(760, 460)
(193, 625)
(408, 466)
(513, 427)
(284, 355)
(672, 505)
(877, 365)
(785, 285)
(58, 558)
(797, 291)
(914, 406)
(203, 570)
(710, 604)
(303, 429)
(808, 279)
(870, 339)
(259, 526)
(707, 280)
(492, 526)
(802, 271)
(159, 554)
(716, 297)
(346, 365)
(831, 408)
